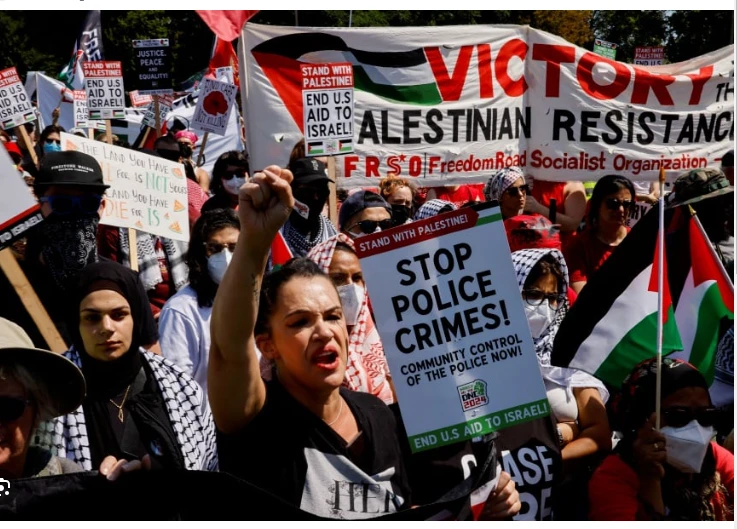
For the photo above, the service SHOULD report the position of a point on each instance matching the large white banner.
(453, 104)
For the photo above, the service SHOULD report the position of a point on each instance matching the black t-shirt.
(530, 454)
(57, 304)
(293, 454)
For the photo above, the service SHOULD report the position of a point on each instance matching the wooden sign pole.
(28, 143)
(156, 116)
(333, 197)
(29, 298)
(201, 153)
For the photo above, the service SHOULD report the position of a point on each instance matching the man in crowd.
(364, 212)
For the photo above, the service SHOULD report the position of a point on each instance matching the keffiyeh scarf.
(300, 244)
(499, 183)
(191, 420)
(148, 263)
(524, 261)
(432, 208)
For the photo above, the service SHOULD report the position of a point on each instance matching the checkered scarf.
(524, 261)
(366, 367)
(189, 414)
(148, 263)
(499, 182)
(431, 208)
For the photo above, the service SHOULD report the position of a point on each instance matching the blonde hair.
(391, 183)
(35, 392)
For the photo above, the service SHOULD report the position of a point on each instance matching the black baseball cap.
(359, 201)
(308, 170)
(70, 168)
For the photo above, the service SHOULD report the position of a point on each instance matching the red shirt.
(463, 194)
(584, 254)
(614, 488)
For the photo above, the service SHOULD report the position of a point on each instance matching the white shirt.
(184, 334)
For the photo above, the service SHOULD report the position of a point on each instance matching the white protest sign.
(146, 193)
(214, 105)
(15, 106)
(165, 103)
(224, 74)
(327, 100)
(649, 55)
(19, 210)
(139, 100)
(449, 312)
(103, 82)
(81, 114)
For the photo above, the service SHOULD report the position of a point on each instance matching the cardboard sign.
(327, 100)
(81, 114)
(605, 49)
(649, 55)
(146, 193)
(15, 106)
(214, 104)
(153, 66)
(165, 103)
(449, 311)
(224, 74)
(139, 100)
(103, 83)
(19, 210)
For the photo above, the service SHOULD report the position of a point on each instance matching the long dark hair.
(272, 283)
(199, 278)
(606, 185)
(48, 131)
(234, 158)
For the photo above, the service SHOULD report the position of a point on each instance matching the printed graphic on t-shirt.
(336, 488)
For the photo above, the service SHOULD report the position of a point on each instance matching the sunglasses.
(535, 297)
(211, 248)
(614, 204)
(12, 408)
(49, 141)
(515, 191)
(678, 417)
(369, 226)
(63, 205)
(238, 174)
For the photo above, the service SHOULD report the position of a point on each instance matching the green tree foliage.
(630, 29)
(694, 33)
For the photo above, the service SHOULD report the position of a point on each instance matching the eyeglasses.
(515, 191)
(535, 297)
(239, 174)
(211, 248)
(12, 408)
(49, 141)
(369, 226)
(63, 204)
(679, 416)
(614, 204)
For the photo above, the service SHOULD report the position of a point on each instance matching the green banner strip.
(487, 220)
(479, 426)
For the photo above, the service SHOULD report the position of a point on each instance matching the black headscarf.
(146, 428)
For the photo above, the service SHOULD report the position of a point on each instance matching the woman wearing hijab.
(434, 207)
(508, 187)
(366, 369)
(137, 403)
(677, 473)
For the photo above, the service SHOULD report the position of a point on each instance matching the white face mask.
(686, 446)
(351, 298)
(234, 184)
(539, 318)
(218, 263)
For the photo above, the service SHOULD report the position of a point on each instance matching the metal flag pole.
(661, 252)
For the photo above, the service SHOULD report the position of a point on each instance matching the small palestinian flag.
(8, 124)
(29, 116)
(315, 148)
(345, 146)
(280, 252)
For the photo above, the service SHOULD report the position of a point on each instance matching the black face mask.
(185, 151)
(400, 214)
(314, 200)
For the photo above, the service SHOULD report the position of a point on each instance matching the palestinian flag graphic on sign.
(375, 72)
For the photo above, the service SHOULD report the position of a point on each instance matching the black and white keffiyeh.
(299, 244)
(524, 261)
(432, 208)
(499, 182)
(189, 413)
(148, 262)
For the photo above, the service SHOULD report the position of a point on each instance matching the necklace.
(340, 412)
(120, 406)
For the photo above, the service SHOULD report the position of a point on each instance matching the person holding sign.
(137, 404)
(675, 473)
(609, 208)
(300, 436)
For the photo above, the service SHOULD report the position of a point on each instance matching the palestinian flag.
(280, 252)
(403, 77)
(315, 147)
(88, 46)
(706, 305)
(613, 324)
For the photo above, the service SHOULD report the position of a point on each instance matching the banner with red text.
(453, 104)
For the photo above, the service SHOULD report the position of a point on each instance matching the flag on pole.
(87, 47)
(613, 324)
(705, 308)
(226, 25)
(223, 55)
